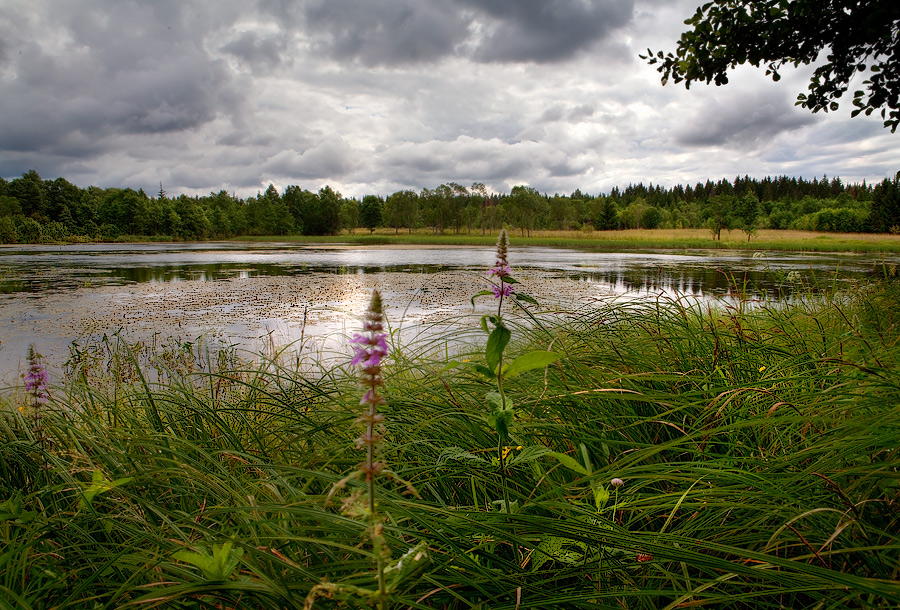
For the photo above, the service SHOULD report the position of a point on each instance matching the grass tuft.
(758, 450)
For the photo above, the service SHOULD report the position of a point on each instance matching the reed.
(754, 451)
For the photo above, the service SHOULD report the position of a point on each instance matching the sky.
(376, 96)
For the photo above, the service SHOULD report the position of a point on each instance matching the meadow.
(629, 239)
(667, 455)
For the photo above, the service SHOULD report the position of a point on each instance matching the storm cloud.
(545, 30)
(741, 119)
(383, 95)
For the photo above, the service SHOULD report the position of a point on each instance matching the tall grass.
(759, 449)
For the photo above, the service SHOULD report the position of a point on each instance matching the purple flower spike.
(370, 347)
(502, 290)
(501, 267)
(36, 377)
(500, 270)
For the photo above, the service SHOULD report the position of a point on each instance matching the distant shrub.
(842, 220)
(109, 232)
(8, 232)
(29, 229)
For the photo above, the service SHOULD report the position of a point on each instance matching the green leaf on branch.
(501, 507)
(529, 454)
(530, 361)
(601, 495)
(563, 550)
(496, 343)
(495, 401)
(13, 510)
(484, 322)
(507, 280)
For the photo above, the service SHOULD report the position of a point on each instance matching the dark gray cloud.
(572, 114)
(380, 32)
(381, 95)
(115, 68)
(567, 167)
(256, 50)
(546, 30)
(747, 120)
(391, 32)
(331, 157)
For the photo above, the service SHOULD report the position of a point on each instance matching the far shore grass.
(633, 239)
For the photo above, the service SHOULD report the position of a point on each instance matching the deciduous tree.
(843, 37)
(401, 209)
(746, 209)
(525, 206)
(370, 212)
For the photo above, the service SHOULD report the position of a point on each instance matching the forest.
(35, 210)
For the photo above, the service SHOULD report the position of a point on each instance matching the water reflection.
(51, 295)
(35, 269)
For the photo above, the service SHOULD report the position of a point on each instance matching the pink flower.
(617, 482)
(502, 290)
(500, 269)
(36, 377)
(369, 348)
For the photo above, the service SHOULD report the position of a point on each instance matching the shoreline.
(597, 241)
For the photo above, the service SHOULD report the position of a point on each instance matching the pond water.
(244, 294)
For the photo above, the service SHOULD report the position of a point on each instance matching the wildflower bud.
(501, 265)
(617, 482)
(36, 378)
(370, 347)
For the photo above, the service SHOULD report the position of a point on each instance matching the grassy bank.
(609, 241)
(757, 451)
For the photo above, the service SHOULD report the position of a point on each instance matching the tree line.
(34, 210)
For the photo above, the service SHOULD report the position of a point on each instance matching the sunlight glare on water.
(275, 293)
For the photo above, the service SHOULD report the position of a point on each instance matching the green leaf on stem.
(488, 318)
(450, 366)
(496, 343)
(480, 368)
(530, 361)
(501, 417)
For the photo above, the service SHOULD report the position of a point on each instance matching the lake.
(250, 295)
